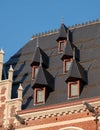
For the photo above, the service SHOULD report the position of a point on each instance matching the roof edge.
(50, 32)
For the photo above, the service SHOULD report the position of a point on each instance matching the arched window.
(71, 128)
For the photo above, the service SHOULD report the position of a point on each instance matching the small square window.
(61, 45)
(35, 71)
(66, 65)
(73, 89)
(39, 95)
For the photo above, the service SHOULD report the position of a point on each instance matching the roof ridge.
(85, 24)
(50, 32)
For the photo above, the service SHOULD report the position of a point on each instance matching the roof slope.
(85, 37)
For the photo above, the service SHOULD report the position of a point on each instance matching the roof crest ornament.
(71, 27)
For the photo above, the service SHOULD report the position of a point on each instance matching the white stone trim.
(57, 111)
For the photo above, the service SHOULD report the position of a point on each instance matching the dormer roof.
(75, 72)
(36, 58)
(68, 51)
(43, 78)
(62, 32)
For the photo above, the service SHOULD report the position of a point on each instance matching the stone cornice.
(3, 82)
(59, 110)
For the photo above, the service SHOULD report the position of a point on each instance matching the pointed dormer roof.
(62, 32)
(76, 71)
(43, 78)
(36, 58)
(68, 51)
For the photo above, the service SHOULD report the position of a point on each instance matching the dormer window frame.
(71, 89)
(37, 92)
(34, 71)
(60, 48)
(65, 67)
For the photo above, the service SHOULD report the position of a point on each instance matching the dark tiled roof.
(86, 38)
(76, 71)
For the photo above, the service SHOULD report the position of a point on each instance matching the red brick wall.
(87, 125)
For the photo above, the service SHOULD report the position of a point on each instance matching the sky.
(21, 19)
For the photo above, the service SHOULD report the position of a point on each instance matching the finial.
(62, 21)
(73, 53)
(2, 51)
(20, 87)
(11, 68)
(37, 41)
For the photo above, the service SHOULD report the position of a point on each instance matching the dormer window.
(61, 45)
(74, 89)
(75, 79)
(42, 86)
(39, 95)
(34, 71)
(66, 65)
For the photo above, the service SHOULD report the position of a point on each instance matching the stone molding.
(57, 111)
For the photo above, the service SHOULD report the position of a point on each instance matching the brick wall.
(77, 117)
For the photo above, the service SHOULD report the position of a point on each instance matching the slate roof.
(85, 37)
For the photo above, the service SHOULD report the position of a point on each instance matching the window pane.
(40, 96)
(68, 64)
(74, 90)
(62, 46)
(36, 71)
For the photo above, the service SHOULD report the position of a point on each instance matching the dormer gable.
(62, 38)
(67, 56)
(75, 80)
(42, 86)
(39, 56)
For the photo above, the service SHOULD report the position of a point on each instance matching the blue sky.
(20, 19)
